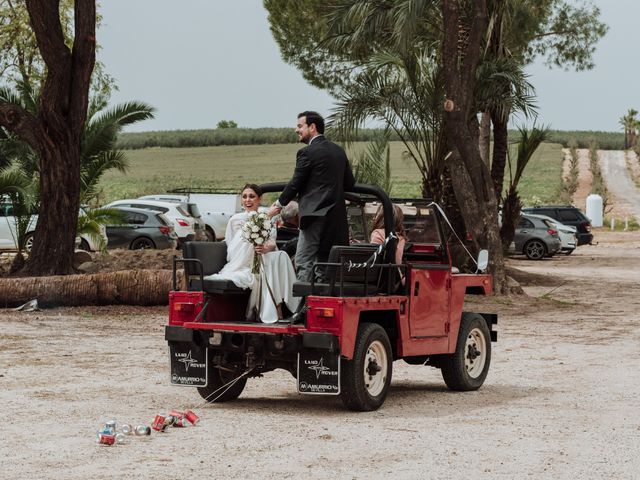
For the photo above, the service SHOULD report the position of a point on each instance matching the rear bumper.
(231, 338)
(584, 238)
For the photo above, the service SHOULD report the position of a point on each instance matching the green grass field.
(156, 170)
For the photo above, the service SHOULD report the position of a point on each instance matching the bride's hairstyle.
(254, 187)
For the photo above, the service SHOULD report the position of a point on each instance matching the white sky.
(201, 61)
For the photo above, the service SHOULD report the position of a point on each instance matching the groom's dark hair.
(314, 117)
(254, 187)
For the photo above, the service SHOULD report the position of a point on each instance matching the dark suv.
(567, 215)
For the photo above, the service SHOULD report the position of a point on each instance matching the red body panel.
(427, 321)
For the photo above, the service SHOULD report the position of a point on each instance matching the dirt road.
(619, 183)
(561, 399)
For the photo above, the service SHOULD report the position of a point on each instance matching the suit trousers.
(307, 252)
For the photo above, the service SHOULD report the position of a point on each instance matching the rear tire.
(211, 236)
(142, 243)
(214, 393)
(84, 245)
(365, 379)
(467, 368)
(28, 242)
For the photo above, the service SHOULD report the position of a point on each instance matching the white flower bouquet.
(256, 230)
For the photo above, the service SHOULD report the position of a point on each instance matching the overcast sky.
(201, 61)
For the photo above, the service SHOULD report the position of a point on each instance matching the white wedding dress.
(272, 287)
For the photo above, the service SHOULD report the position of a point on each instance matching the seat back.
(212, 256)
(356, 254)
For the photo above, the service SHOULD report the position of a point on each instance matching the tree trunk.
(511, 209)
(470, 175)
(55, 133)
(55, 233)
(485, 137)
(500, 146)
(129, 287)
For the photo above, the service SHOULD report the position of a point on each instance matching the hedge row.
(257, 136)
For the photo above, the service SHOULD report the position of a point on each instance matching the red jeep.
(357, 323)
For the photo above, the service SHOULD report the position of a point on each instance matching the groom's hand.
(275, 209)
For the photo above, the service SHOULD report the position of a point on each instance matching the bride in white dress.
(273, 286)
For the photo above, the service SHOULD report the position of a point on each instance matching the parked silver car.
(567, 233)
(536, 238)
(142, 229)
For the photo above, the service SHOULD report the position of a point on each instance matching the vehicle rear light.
(182, 223)
(325, 312)
(551, 231)
(165, 230)
(587, 226)
(183, 307)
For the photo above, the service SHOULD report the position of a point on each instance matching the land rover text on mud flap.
(369, 313)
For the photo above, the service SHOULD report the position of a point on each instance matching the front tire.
(467, 368)
(211, 236)
(365, 379)
(535, 249)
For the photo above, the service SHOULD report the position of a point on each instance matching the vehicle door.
(429, 279)
(120, 236)
(7, 227)
(523, 232)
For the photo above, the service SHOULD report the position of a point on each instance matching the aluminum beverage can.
(111, 425)
(180, 422)
(192, 417)
(106, 439)
(127, 429)
(159, 424)
(142, 430)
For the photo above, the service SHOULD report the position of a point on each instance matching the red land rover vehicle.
(356, 324)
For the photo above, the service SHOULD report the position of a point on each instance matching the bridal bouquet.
(256, 230)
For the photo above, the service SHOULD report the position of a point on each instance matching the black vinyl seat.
(206, 258)
(342, 280)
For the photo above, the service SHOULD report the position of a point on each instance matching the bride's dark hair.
(254, 187)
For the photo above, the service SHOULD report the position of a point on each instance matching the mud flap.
(319, 372)
(189, 366)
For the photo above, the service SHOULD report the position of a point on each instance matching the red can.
(106, 439)
(159, 423)
(192, 417)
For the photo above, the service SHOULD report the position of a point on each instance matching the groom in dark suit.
(321, 176)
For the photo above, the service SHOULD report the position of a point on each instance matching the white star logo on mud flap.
(319, 368)
(188, 361)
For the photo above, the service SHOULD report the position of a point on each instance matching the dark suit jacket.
(321, 176)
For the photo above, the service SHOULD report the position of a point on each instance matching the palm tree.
(373, 166)
(630, 124)
(529, 142)
(98, 155)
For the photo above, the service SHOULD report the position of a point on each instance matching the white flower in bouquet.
(257, 230)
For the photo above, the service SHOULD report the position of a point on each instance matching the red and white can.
(106, 439)
(159, 423)
(192, 417)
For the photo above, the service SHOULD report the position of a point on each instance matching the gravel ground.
(560, 401)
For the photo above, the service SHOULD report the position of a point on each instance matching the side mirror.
(483, 260)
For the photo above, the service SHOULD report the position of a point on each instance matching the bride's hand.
(266, 248)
